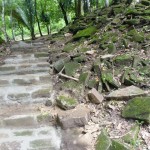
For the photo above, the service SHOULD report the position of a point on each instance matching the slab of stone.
(42, 93)
(17, 97)
(117, 145)
(95, 97)
(103, 141)
(19, 121)
(23, 82)
(125, 93)
(66, 102)
(77, 117)
(132, 136)
(138, 108)
(41, 143)
(3, 82)
(10, 146)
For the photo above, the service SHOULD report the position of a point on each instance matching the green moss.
(85, 33)
(103, 141)
(66, 102)
(138, 108)
(72, 85)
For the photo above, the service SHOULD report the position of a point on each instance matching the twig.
(66, 76)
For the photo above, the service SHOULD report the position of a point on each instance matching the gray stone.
(77, 117)
(48, 103)
(19, 121)
(3, 82)
(95, 97)
(16, 97)
(42, 93)
(125, 93)
(41, 143)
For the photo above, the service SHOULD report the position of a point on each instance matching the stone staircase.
(24, 83)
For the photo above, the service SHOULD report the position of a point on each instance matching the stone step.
(25, 94)
(25, 80)
(41, 138)
(23, 66)
(23, 71)
(29, 55)
(25, 60)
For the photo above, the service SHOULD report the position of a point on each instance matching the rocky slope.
(102, 61)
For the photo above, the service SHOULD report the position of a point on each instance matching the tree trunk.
(64, 12)
(22, 34)
(32, 33)
(37, 19)
(79, 8)
(3, 21)
(12, 27)
(47, 27)
(97, 3)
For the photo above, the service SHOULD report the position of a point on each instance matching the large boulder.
(126, 93)
(77, 117)
(85, 33)
(138, 108)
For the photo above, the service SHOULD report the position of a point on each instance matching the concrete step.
(25, 94)
(23, 71)
(41, 138)
(25, 60)
(24, 80)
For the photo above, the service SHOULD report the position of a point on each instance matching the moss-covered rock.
(108, 80)
(66, 102)
(138, 108)
(69, 47)
(116, 145)
(133, 21)
(145, 71)
(136, 36)
(71, 67)
(79, 59)
(145, 2)
(103, 141)
(85, 33)
(124, 59)
(58, 65)
(84, 77)
(132, 136)
(111, 48)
